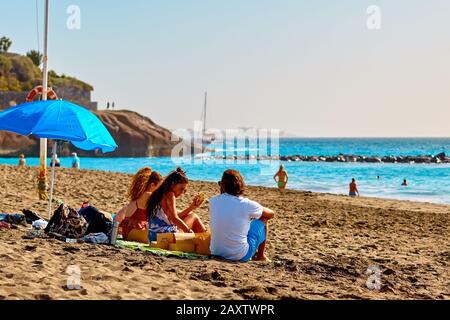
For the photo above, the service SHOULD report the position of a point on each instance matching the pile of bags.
(86, 225)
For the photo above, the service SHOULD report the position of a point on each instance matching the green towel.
(160, 252)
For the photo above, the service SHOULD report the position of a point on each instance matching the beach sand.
(321, 246)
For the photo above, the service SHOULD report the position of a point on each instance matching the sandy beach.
(321, 246)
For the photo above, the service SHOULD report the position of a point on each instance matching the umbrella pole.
(42, 180)
(52, 180)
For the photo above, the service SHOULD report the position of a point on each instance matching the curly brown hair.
(141, 181)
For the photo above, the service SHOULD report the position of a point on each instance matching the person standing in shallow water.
(22, 161)
(281, 178)
(75, 161)
(353, 189)
(405, 183)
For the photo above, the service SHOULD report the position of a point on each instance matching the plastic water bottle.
(114, 232)
(71, 240)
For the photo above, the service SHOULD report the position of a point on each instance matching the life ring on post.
(51, 94)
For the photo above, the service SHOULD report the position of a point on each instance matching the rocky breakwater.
(439, 158)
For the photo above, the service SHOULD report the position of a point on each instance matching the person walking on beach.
(162, 213)
(353, 189)
(281, 178)
(75, 161)
(239, 226)
(22, 161)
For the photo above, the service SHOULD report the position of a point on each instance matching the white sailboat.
(207, 138)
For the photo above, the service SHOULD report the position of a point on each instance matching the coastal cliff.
(136, 136)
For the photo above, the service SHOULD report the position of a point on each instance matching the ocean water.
(427, 182)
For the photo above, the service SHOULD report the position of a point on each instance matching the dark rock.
(441, 156)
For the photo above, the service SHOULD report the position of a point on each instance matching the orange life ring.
(51, 95)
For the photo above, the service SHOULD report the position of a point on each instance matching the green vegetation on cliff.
(20, 73)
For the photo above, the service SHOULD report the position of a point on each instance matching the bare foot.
(262, 257)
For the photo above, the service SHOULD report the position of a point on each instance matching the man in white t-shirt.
(238, 225)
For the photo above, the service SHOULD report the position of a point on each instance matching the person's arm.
(275, 177)
(121, 215)
(174, 216)
(267, 214)
(357, 191)
(197, 202)
(287, 178)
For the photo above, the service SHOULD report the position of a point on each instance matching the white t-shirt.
(230, 222)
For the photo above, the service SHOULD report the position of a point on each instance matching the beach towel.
(159, 252)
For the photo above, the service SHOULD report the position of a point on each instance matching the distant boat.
(207, 138)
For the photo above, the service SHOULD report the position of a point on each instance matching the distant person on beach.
(107, 106)
(22, 161)
(75, 161)
(134, 216)
(239, 226)
(405, 183)
(281, 178)
(353, 189)
(162, 213)
(57, 161)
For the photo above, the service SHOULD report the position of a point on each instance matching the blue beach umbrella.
(58, 120)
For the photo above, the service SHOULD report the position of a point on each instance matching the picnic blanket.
(159, 252)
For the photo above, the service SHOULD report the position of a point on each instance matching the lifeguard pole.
(42, 178)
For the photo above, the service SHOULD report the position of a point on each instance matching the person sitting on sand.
(405, 183)
(134, 215)
(282, 178)
(162, 213)
(75, 161)
(22, 160)
(353, 189)
(239, 226)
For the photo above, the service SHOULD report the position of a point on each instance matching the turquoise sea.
(427, 182)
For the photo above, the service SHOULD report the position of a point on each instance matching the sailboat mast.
(204, 112)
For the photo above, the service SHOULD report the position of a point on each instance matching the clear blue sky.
(307, 67)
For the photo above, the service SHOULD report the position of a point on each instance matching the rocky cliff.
(136, 136)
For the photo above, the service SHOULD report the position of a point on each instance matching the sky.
(311, 68)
